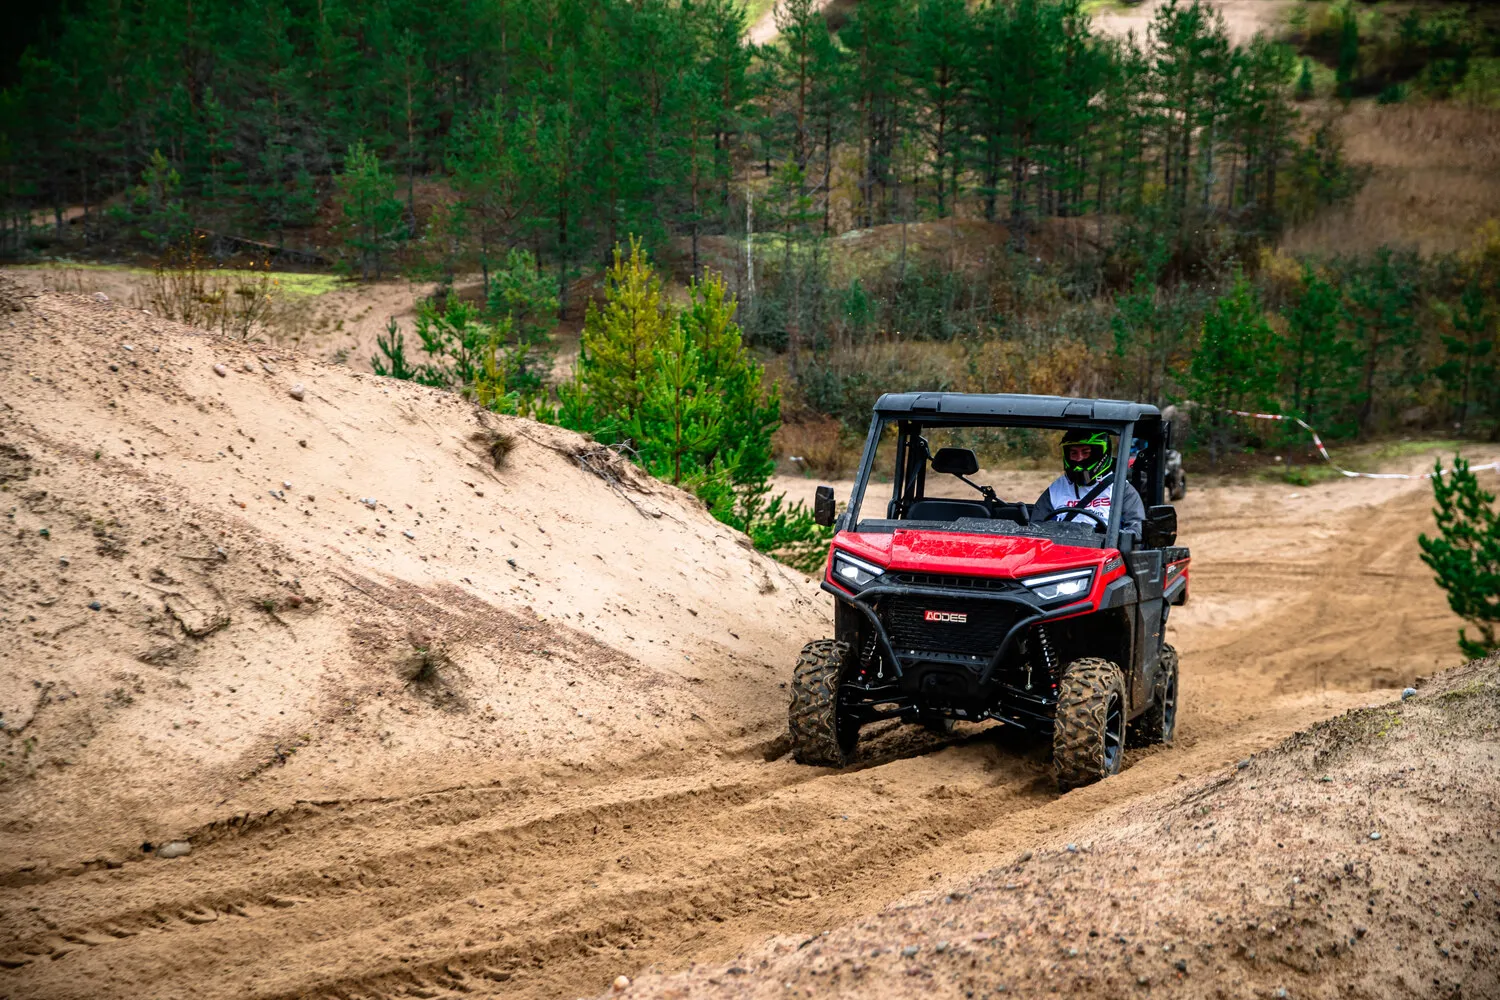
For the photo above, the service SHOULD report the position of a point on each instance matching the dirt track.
(462, 854)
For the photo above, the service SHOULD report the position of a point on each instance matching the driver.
(1087, 476)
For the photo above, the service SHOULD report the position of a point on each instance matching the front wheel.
(1088, 731)
(822, 733)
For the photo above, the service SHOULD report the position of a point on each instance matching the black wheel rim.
(1114, 734)
(1169, 708)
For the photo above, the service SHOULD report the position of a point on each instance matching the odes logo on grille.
(956, 617)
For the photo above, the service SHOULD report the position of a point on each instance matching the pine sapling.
(1465, 555)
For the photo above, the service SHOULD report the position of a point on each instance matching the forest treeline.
(445, 137)
(562, 126)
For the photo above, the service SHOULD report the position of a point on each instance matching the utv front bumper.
(953, 646)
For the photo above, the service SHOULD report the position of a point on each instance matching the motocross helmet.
(1094, 464)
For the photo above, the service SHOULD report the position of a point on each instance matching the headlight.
(853, 573)
(1059, 586)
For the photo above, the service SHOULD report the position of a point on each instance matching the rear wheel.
(1158, 724)
(1088, 732)
(822, 733)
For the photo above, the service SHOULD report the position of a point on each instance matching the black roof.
(1026, 407)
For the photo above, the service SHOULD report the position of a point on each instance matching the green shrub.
(682, 392)
(1465, 555)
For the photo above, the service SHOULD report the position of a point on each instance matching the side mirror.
(823, 507)
(1160, 528)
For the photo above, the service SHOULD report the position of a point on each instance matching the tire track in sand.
(543, 891)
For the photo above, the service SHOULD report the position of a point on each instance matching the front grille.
(985, 627)
(957, 582)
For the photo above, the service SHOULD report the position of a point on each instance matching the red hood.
(957, 554)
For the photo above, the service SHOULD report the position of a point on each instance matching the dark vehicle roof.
(971, 404)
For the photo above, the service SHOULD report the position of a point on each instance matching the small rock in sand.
(249, 367)
(101, 297)
(221, 371)
(297, 392)
(1408, 693)
(621, 982)
(175, 849)
(95, 606)
(1374, 835)
(909, 951)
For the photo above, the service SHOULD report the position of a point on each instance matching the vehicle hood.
(957, 554)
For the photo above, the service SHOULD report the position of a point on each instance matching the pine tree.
(369, 208)
(877, 37)
(677, 422)
(1348, 64)
(1190, 74)
(1381, 304)
(751, 411)
(940, 58)
(621, 338)
(1465, 554)
(1469, 350)
(1305, 81)
(1318, 359)
(486, 174)
(1234, 365)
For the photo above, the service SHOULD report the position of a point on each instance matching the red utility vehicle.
(954, 606)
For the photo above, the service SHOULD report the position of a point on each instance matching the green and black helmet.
(1095, 464)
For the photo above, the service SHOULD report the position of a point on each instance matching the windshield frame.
(1123, 430)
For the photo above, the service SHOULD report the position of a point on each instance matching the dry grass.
(497, 444)
(1433, 179)
(818, 447)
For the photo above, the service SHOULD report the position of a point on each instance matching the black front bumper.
(950, 668)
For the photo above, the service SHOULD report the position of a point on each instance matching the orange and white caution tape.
(1318, 442)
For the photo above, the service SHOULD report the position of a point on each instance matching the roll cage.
(913, 413)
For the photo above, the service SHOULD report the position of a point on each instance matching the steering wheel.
(1099, 519)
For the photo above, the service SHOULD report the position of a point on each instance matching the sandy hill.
(435, 726)
(223, 593)
(1356, 859)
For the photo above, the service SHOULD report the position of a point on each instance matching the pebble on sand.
(1408, 693)
(175, 849)
(297, 392)
(221, 371)
(621, 982)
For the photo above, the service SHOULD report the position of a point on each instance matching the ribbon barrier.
(1318, 442)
